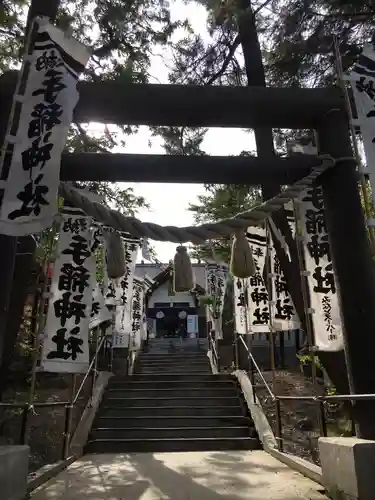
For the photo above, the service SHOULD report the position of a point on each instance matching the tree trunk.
(265, 148)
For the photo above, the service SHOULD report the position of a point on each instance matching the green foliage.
(300, 50)
(206, 300)
(12, 19)
(181, 140)
(307, 359)
(212, 302)
(220, 202)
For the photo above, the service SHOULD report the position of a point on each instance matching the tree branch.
(226, 62)
(86, 140)
(264, 4)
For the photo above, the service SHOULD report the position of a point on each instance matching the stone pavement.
(227, 475)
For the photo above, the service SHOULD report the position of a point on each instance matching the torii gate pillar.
(353, 264)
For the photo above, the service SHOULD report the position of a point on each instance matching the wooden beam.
(195, 106)
(185, 169)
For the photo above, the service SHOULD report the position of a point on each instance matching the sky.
(172, 210)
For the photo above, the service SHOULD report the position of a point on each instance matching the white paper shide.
(321, 279)
(30, 198)
(65, 346)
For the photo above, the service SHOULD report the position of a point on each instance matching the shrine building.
(171, 314)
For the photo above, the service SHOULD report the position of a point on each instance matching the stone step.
(185, 366)
(169, 432)
(170, 384)
(170, 411)
(180, 376)
(170, 445)
(174, 354)
(173, 369)
(170, 401)
(159, 360)
(186, 392)
(203, 377)
(150, 422)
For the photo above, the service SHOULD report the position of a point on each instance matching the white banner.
(321, 279)
(362, 79)
(216, 278)
(137, 313)
(30, 198)
(240, 305)
(276, 233)
(283, 312)
(99, 311)
(65, 346)
(216, 283)
(123, 292)
(124, 288)
(258, 310)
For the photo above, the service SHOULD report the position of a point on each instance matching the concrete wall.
(14, 462)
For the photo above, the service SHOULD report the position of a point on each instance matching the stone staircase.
(172, 403)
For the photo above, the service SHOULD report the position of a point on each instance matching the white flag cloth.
(362, 79)
(283, 312)
(124, 288)
(65, 346)
(137, 315)
(99, 311)
(322, 284)
(240, 305)
(123, 292)
(216, 283)
(258, 306)
(216, 278)
(30, 198)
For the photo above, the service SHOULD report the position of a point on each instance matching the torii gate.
(322, 110)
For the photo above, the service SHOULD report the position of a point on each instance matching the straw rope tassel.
(114, 254)
(241, 259)
(183, 271)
